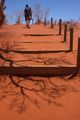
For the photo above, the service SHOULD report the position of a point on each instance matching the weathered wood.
(38, 21)
(78, 54)
(60, 25)
(38, 70)
(36, 34)
(51, 22)
(40, 51)
(32, 21)
(45, 21)
(65, 32)
(71, 39)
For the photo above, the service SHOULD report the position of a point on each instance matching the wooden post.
(65, 32)
(78, 54)
(51, 22)
(45, 22)
(71, 39)
(32, 21)
(38, 20)
(60, 24)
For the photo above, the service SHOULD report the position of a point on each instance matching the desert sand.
(68, 105)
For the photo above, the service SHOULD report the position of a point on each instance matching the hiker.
(27, 15)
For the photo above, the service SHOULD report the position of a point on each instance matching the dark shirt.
(27, 11)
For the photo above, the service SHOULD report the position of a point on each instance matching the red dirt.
(69, 101)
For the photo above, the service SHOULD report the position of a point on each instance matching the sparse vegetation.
(18, 16)
(39, 13)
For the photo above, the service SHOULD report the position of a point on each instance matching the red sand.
(70, 105)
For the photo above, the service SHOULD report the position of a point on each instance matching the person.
(28, 15)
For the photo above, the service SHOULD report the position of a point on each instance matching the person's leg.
(28, 22)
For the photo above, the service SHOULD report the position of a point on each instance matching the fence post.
(78, 54)
(45, 21)
(51, 22)
(65, 32)
(32, 21)
(38, 20)
(60, 24)
(71, 39)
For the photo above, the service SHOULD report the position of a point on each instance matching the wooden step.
(46, 34)
(39, 70)
(40, 51)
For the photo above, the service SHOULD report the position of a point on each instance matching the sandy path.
(69, 100)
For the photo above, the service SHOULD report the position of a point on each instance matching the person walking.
(28, 15)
